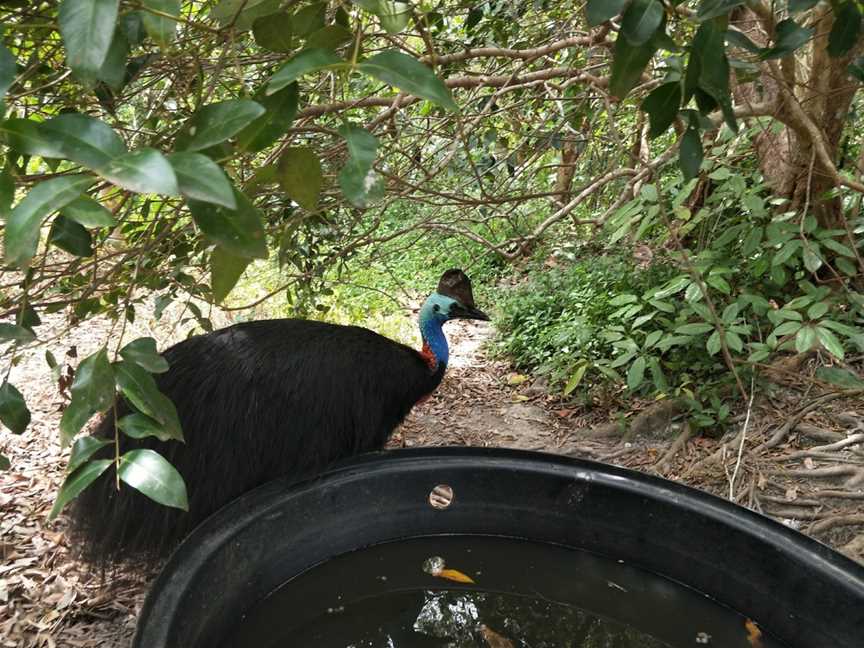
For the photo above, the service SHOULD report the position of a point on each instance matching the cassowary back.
(257, 401)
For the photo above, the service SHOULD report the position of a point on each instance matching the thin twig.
(743, 439)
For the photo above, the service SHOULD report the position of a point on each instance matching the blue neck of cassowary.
(433, 339)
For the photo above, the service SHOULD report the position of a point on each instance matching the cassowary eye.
(436, 308)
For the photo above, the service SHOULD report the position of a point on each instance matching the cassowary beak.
(457, 311)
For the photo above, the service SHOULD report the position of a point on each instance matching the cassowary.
(262, 400)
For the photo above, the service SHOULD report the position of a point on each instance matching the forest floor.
(798, 457)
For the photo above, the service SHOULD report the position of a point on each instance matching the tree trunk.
(807, 92)
(566, 171)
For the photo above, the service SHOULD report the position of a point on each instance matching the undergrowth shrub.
(557, 317)
(753, 279)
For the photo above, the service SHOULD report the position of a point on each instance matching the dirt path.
(46, 599)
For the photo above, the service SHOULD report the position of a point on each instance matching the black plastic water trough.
(250, 563)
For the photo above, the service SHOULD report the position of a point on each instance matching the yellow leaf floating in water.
(493, 639)
(754, 634)
(454, 575)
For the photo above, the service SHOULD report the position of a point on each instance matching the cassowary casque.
(262, 400)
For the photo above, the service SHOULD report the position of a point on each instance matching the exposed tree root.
(855, 439)
(679, 443)
(855, 475)
(837, 521)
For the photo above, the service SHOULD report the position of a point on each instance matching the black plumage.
(257, 401)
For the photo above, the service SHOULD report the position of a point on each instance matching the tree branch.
(485, 81)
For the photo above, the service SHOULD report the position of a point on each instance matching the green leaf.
(599, 11)
(652, 338)
(132, 26)
(139, 388)
(639, 321)
(83, 449)
(856, 69)
(394, 16)
(359, 182)
(636, 373)
(113, 70)
(805, 339)
(310, 18)
(70, 236)
(27, 317)
(7, 193)
(786, 313)
(309, 60)
(812, 260)
(13, 332)
(843, 329)
(8, 71)
(801, 5)
(787, 328)
(759, 356)
(709, 9)
(143, 353)
(786, 252)
(25, 221)
(143, 171)
(817, 310)
(840, 377)
(623, 359)
(239, 231)
(13, 410)
(694, 329)
(82, 139)
(87, 212)
(409, 75)
(846, 29)
(25, 136)
(641, 20)
(708, 71)
(788, 36)
(730, 313)
(753, 240)
(87, 27)
(846, 266)
(575, 379)
(666, 307)
(838, 247)
(274, 32)
(225, 271)
(92, 391)
(690, 153)
(738, 39)
(241, 14)
(77, 482)
(300, 176)
(281, 109)
(329, 37)
(672, 287)
(216, 122)
(200, 178)
(161, 28)
(620, 300)
(628, 64)
(150, 474)
(713, 344)
(734, 342)
(830, 342)
(662, 107)
(719, 283)
(140, 426)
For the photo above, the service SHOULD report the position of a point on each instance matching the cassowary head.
(453, 299)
